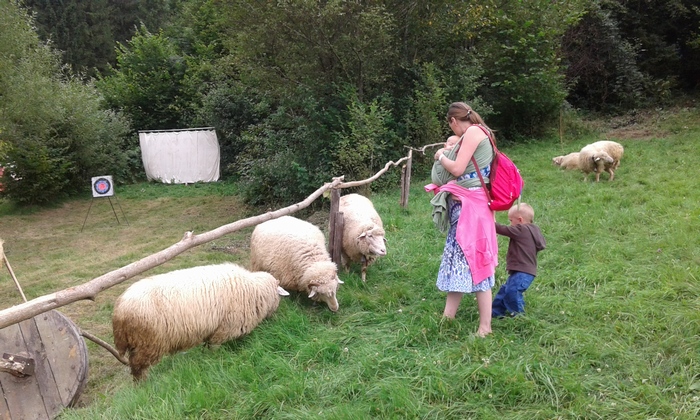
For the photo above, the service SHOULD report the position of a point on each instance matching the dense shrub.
(56, 135)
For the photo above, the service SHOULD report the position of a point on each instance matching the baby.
(451, 141)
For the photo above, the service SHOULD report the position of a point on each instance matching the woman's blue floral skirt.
(454, 274)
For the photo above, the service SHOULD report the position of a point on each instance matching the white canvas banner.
(180, 156)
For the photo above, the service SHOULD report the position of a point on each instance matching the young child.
(526, 240)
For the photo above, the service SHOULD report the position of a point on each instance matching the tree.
(317, 45)
(86, 31)
(55, 133)
(148, 83)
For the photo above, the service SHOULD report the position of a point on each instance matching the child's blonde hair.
(523, 209)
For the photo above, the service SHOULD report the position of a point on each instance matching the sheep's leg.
(597, 176)
(365, 263)
(345, 262)
(139, 365)
(612, 174)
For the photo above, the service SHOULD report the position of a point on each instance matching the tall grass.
(612, 324)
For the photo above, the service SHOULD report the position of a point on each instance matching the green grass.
(612, 328)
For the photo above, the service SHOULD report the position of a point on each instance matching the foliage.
(523, 76)
(665, 34)
(85, 31)
(360, 150)
(311, 44)
(231, 109)
(56, 133)
(286, 156)
(603, 75)
(148, 84)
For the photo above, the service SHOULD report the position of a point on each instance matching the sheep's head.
(557, 160)
(372, 242)
(323, 283)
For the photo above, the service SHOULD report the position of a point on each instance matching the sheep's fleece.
(294, 251)
(569, 161)
(363, 232)
(603, 155)
(170, 312)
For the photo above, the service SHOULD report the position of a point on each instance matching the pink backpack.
(506, 181)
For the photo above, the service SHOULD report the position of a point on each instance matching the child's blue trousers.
(509, 299)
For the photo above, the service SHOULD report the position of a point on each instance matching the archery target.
(102, 186)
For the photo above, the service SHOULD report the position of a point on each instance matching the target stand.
(103, 187)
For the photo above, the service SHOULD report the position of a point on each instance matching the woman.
(461, 207)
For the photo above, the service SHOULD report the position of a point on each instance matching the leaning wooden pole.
(90, 289)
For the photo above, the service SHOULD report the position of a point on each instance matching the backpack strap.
(476, 166)
(481, 178)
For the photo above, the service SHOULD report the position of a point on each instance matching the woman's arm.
(472, 138)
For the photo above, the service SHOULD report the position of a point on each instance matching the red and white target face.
(102, 186)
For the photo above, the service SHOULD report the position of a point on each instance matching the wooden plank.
(66, 354)
(22, 396)
(44, 377)
(4, 409)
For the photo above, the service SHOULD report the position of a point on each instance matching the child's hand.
(440, 152)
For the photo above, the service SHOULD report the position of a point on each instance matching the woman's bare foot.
(483, 333)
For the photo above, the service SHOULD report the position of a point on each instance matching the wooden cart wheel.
(43, 367)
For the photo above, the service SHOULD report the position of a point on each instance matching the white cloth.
(180, 156)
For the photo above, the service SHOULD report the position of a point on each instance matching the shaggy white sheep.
(363, 232)
(570, 161)
(294, 251)
(600, 156)
(171, 312)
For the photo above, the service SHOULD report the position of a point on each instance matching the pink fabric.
(476, 229)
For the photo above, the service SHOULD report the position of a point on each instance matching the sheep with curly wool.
(294, 251)
(600, 156)
(363, 232)
(570, 161)
(175, 311)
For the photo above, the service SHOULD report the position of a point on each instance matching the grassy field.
(612, 328)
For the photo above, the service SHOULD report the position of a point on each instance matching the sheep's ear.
(340, 281)
(282, 292)
(362, 235)
(385, 241)
(313, 287)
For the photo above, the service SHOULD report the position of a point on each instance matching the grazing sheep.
(570, 161)
(363, 232)
(600, 156)
(294, 251)
(175, 311)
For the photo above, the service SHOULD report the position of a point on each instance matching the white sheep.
(570, 161)
(294, 251)
(174, 311)
(363, 232)
(600, 156)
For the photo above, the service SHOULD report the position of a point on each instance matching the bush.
(56, 135)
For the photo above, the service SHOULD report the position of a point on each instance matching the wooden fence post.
(336, 224)
(406, 179)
